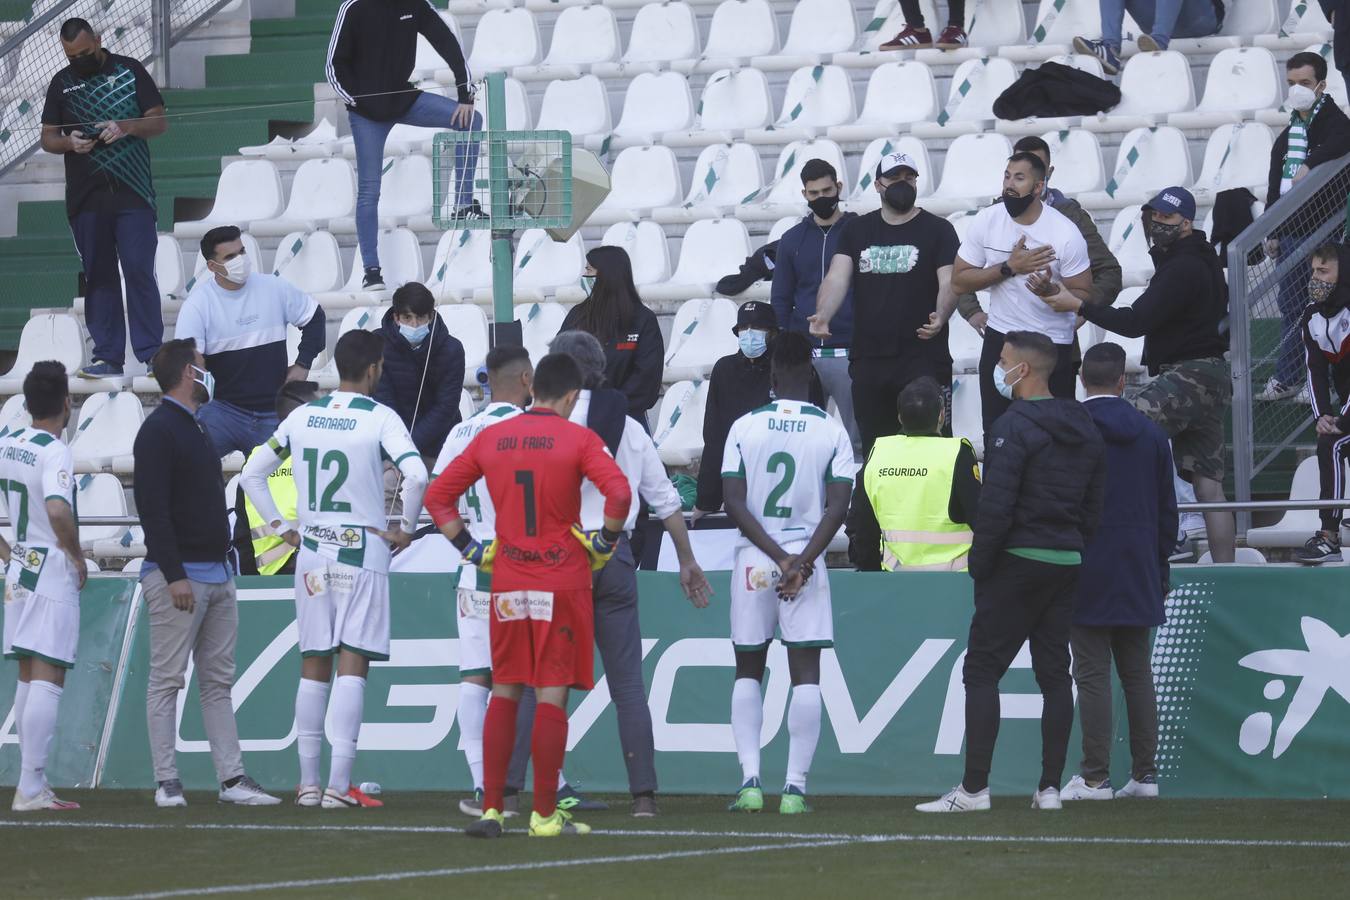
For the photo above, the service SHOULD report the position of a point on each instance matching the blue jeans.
(231, 428)
(1290, 368)
(1163, 19)
(427, 111)
(104, 239)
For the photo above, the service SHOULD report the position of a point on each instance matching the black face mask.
(823, 207)
(1018, 205)
(86, 64)
(1162, 234)
(900, 196)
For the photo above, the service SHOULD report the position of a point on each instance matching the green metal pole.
(500, 198)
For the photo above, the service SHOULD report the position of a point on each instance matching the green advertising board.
(1253, 674)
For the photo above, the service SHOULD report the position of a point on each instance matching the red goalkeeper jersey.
(534, 464)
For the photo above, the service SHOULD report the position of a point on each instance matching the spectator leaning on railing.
(100, 110)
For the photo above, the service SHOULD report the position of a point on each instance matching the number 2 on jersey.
(336, 460)
(784, 461)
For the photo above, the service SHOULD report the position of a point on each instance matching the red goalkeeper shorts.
(543, 638)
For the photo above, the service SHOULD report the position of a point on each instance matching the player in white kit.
(337, 446)
(44, 572)
(787, 475)
(510, 375)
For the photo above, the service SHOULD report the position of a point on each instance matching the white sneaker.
(1278, 390)
(956, 801)
(43, 799)
(169, 794)
(1079, 789)
(308, 795)
(1046, 799)
(1147, 790)
(247, 792)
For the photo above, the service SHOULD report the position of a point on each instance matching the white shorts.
(472, 608)
(338, 606)
(756, 611)
(41, 627)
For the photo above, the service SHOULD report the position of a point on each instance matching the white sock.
(349, 700)
(747, 718)
(473, 704)
(803, 733)
(39, 722)
(311, 703)
(20, 699)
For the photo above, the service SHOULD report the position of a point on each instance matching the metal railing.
(1268, 273)
(142, 29)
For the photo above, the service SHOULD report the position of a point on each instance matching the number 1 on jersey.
(525, 478)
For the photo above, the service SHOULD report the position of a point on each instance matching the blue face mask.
(753, 342)
(1001, 383)
(416, 335)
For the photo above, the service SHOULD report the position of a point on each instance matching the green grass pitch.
(119, 845)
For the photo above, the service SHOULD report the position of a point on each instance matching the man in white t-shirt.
(1006, 243)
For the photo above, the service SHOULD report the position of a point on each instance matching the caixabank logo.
(1310, 677)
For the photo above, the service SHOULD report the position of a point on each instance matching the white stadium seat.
(1133, 346)
(518, 114)
(642, 178)
(105, 431)
(679, 423)
(724, 176)
(783, 195)
(970, 100)
(169, 268)
(368, 318)
(293, 338)
(1295, 525)
(1241, 80)
(309, 260)
(780, 227)
(818, 29)
(249, 191)
(898, 95)
(579, 105)
(656, 102)
(817, 97)
(405, 191)
(1152, 87)
(582, 37)
(647, 250)
(1058, 23)
(886, 21)
(400, 261)
(100, 495)
(58, 336)
(1305, 22)
(14, 415)
(1077, 158)
(321, 140)
(662, 33)
(468, 324)
(426, 61)
(733, 100)
(1126, 242)
(711, 249)
(543, 265)
(504, 39)
(967, 418)
(1242, 556)
(466, 405)
(972, 173)
(699, 337)
(740, 30)
(1236, 156)
(865, 197)
(1148, 160)
(961, 220)
(1251, 17)
(462, 265)
(992, 25)
(539, 322)
(323, 189)
(964, 342)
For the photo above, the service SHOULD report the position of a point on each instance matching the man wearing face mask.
(1318, 131)
(99, 113)
(423, 369)
(1325, 328)
(238, 318)
(1181, 317)
(739, 383)
(898, 263)
(804, 254)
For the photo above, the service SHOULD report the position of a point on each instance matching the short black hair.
(1308, 58)
(170, 360)
(1103, 365)
(295, 394)
(73, 28)
(1031, 159)
(818, 168)
(413, 298)
(356, 351)
(1036, 345)
(556, 375)
(45, 389)
(503, 357)
(221, 234)
(920, 406)
(791, 356)
(1032, 144)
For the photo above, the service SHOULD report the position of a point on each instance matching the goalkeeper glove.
(598, 547)
(476, 553)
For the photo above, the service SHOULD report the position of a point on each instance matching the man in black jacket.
(1318, 132)
(423, 369)
(370, 57)
(1044, 469)
(1182, 317)
(189, 590)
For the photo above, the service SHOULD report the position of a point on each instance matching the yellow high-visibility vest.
(270, 551)
(908, 481)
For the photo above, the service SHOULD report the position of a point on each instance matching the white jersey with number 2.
(787, 451)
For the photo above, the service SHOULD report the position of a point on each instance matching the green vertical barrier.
(503, 309)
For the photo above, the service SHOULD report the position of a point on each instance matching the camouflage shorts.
(1188, 400)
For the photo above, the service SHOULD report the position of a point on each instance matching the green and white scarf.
(1297, 152)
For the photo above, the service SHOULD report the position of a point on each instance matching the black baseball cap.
(755, 314)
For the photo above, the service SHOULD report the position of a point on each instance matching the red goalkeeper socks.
(547, 747)
(499, 736)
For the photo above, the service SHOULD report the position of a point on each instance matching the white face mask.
(207, 381)
(238, 268)
(1301, 97)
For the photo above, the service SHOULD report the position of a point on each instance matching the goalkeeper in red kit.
(541, 625)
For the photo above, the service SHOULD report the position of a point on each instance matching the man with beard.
(1004, 245)
(898, 263)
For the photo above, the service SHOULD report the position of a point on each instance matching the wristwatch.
(1005, 270)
